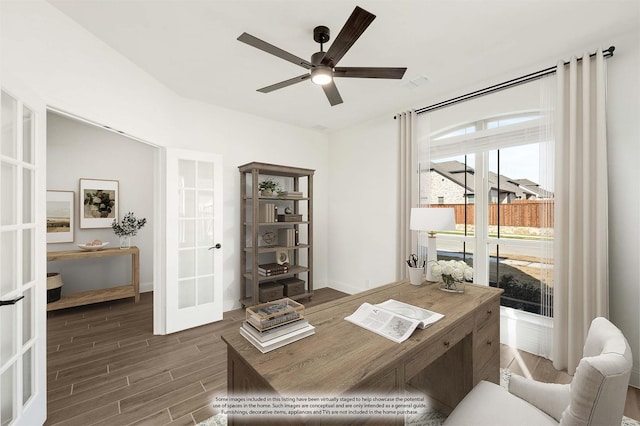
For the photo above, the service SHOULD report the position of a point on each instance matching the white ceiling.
(459, 45)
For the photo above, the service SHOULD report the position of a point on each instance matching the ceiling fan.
(322, 66)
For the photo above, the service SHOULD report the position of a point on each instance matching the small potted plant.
(268, 186)
(127, 228)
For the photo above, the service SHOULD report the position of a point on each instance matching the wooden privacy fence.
(527, 213)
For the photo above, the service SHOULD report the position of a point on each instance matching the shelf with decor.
(276, 231)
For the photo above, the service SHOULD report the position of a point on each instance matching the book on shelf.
(279, 341)
(268, 213)
(286, 237)
(271, 274)
(292, 194)
(392, 319)
(273, 267)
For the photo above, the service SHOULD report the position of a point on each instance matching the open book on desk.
(392, 319)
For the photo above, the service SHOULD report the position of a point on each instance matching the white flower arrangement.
(129, 226)
(451, 271)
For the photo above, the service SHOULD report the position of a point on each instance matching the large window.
(496, 175)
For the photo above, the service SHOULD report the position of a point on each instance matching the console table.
(443, 361)
(103, 294)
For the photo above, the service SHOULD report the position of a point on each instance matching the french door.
(22, 258)
(193, 239)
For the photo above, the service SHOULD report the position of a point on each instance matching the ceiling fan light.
(321, 75)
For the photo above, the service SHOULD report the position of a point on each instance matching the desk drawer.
(486, 343)
(422, 359)
(488, 312)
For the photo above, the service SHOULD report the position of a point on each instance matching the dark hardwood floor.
(105, 366)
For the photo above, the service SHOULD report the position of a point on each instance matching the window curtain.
(406, 178)
(581, 231)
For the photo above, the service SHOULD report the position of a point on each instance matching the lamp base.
(432, 256)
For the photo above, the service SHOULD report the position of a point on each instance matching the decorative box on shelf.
(270, 290)
(272, 314)
(290, 217)
(292, 286)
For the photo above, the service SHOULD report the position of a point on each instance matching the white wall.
(78, 150)
(362, 228)
(623, 109)
(363, 206)
(75, 72)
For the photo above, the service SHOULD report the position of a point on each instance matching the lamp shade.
(432, 219)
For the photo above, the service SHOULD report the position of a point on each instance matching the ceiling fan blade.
(369, 72)
(332, 93)
(352, 30)
(276, 51)
(285, 83)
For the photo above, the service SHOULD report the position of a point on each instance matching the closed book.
(272, 270)
(271, 274)
(272, 333)
(286, 237)
(280, 341)
(272, 267)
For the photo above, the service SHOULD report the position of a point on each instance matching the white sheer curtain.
(581, 231)
(406, 178)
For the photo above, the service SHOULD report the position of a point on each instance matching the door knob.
(217, 246)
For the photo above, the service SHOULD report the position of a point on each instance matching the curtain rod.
(504, 85)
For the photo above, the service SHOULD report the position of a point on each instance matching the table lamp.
(432, 220)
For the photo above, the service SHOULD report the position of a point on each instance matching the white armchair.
(595, 396)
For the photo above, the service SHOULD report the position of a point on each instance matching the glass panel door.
(22, 290)
(194, 236)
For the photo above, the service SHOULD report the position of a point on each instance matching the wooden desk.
(444, 361)
(103, 294)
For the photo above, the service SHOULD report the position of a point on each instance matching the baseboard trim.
(146, 287)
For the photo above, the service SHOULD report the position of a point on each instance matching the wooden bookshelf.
(253, 250)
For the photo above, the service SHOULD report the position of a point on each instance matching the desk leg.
(135, 275)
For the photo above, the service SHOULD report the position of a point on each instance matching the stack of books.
(268, 213)
(287, 237)
(269, 269)
(272, 325)
(291, 194)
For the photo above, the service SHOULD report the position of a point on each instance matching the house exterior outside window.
(512, 228)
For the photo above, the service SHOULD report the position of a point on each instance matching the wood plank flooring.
(105, 366)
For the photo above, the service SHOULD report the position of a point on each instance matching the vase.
(125, 241)
(451, 285)
(266, 193)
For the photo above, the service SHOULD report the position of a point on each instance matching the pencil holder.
(416, 275)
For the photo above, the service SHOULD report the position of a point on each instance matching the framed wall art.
(98, 203)
(60, 216)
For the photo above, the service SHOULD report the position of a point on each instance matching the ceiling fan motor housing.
(316, 58)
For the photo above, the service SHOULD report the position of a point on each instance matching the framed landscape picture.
(98, 203)
(60, 221)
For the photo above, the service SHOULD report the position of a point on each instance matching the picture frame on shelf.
(60, 216)
(98, 202)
